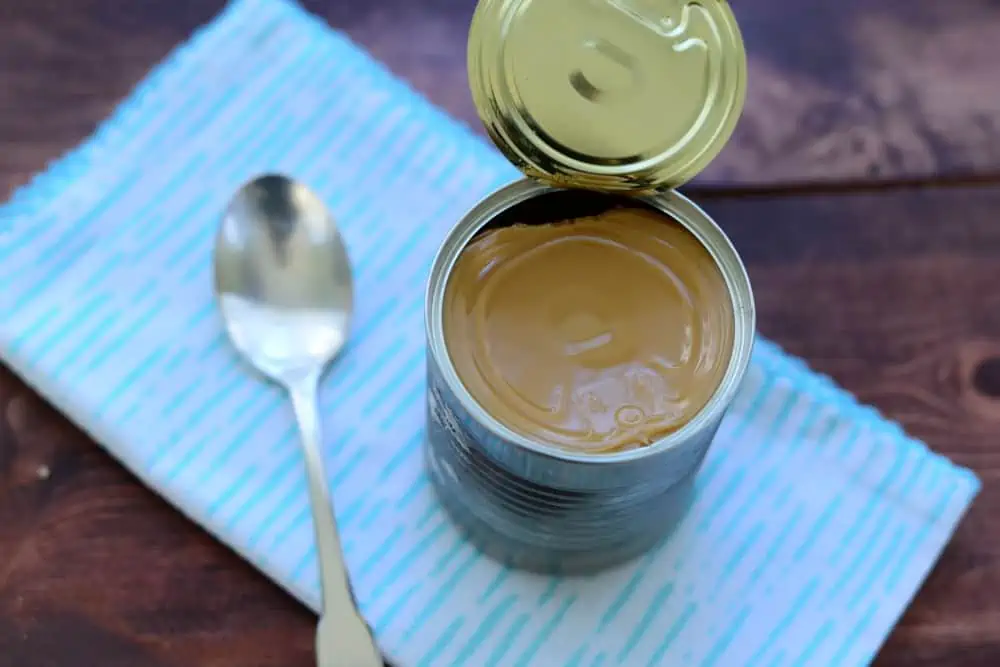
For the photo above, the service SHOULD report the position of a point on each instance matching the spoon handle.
(343, 639)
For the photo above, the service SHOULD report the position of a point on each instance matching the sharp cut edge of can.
(670, 202)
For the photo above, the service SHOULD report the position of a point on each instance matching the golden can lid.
(620, 95)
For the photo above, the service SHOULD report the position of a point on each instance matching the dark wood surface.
(841, 90)
(859, 190)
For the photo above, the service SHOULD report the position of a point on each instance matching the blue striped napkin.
(816, 519)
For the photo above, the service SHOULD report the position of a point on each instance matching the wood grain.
(892, 294)
(839, 89)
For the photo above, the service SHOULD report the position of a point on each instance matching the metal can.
(537, 506)
(578, 124)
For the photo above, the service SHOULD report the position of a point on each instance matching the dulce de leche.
(597, 334)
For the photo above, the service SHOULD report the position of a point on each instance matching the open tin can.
(599, 103)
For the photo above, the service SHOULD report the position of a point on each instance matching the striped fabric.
(816, 519)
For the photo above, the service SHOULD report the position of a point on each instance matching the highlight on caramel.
(597, 334)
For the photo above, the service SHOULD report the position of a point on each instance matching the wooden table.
(862, 188)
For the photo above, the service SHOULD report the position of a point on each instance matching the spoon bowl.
(283, 278)
(283, 285)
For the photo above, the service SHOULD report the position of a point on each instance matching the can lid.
(620, 95)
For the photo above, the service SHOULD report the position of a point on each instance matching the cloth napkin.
(816, 520)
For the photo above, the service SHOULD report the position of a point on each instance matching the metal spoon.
(283, 284)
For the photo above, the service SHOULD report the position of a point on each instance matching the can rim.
(685, 212)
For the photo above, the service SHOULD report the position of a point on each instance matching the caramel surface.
(597, 334)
